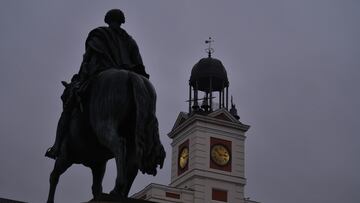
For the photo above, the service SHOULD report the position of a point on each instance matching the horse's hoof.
(113, 196)
(114, 192)
(51, 153)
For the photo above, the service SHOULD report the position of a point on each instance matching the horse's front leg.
(61, 165)
(98, 172)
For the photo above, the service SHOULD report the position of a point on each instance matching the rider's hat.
(114, 16)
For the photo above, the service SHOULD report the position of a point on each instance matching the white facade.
(198, 129)
(202, 181)
(162, 194)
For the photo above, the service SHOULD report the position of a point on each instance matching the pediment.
(180, 120)
(223, 114)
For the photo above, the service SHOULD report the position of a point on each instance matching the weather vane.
(209, 50)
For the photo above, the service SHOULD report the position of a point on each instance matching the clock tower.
(207, 159)
(208, 141)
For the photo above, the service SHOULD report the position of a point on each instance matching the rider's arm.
(136, 59)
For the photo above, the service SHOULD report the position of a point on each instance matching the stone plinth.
(106, 198)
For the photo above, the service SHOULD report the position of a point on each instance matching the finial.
(233, 110)
(209, 50)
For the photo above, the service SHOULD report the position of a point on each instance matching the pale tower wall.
(200, 176)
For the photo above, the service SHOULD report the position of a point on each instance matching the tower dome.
(209, 76)
(209, 69)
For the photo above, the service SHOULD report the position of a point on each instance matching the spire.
(209, 50)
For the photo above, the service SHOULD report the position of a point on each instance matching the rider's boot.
(54, 151)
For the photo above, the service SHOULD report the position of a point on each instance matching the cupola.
(208, 76)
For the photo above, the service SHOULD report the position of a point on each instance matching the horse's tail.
(149, 150)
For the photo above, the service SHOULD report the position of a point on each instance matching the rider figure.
(106, 47)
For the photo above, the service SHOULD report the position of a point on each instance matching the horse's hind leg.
(131, 170)
(120, 158)
(98, 172)
(117, 145)
(61, 165)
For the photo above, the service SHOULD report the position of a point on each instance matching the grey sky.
(294, 71)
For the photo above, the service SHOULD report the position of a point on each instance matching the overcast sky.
(293, 67)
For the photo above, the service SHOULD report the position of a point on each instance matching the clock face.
(184, 157)
(220, 154)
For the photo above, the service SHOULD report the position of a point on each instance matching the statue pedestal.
(107, 198)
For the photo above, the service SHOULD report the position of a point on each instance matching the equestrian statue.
(108, 112)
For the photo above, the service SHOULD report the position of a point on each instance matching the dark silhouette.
(108, 112)
(118, 121)
(106, 47)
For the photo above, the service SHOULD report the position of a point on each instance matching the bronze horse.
(118, 121)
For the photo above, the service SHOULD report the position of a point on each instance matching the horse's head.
(66, 95)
